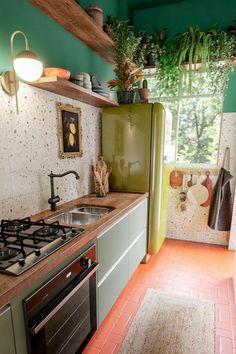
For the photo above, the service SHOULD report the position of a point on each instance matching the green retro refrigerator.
(133, 139)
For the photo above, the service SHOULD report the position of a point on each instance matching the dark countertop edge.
(18, 284)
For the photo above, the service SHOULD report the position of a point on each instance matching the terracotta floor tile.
(198, 270)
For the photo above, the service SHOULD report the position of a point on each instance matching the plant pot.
(144, 94)
(125, 97)
(150, 59)
(96, 14)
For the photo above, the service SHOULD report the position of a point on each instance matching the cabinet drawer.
(7, 345)
(137, 252)
(110, 288)
(111, 245)
(137, 221)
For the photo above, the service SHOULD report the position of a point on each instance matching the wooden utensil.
(190, 182)
(198, 194)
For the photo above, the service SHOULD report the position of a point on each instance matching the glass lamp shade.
(28, 66)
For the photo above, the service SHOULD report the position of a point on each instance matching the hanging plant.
(168, 71)
(211, 52)
(221, 59)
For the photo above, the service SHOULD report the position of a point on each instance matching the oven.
(60, 317)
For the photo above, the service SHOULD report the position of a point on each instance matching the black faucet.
(55, 198)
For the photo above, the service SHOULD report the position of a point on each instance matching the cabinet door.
(137, 252)
(111, 246)
(7, 345)
(110, 288)
(137, 221)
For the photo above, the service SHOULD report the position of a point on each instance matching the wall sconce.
(26, 65)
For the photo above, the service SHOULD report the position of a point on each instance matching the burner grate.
(47, 230)
(7, 253)
(24, 242)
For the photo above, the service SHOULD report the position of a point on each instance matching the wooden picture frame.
(69, 131)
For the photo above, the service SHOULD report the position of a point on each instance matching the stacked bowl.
(83, 80)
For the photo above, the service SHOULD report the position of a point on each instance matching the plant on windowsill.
(211, 52)
(127, 72)
(150, 47)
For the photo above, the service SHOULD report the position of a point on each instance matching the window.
(196, 118)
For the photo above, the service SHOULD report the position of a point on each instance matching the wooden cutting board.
(198, 194)
(208, 184)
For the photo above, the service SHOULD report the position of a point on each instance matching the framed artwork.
(69, 131)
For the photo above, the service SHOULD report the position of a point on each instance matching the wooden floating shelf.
(69, 15)
(69, 89)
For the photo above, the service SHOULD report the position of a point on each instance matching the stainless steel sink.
(93, 209)
(71, 217)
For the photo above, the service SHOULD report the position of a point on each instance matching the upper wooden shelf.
(76, 21)
(68, 89)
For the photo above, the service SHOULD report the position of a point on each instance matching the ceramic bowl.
(78, 77)
(59, 72)
(85, 75)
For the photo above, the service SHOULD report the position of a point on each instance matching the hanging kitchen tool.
(190, 182)
(181, 206)
(176, 179)
(198, 194)
(208, 184)
(220, 213)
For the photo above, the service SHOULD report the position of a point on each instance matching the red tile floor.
(198, 270)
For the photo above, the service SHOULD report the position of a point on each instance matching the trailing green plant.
(168, 71)
(150, 47)
(126, 45)
(212, 51)
(221, 59)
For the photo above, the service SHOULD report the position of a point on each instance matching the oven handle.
(39, 326)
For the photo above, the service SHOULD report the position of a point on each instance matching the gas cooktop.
(23, 243)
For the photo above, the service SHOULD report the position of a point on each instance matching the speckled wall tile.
(192, 223)
(29, 151)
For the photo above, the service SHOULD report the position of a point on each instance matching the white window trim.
(178, 98)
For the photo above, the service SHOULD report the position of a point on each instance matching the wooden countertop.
(11, 286)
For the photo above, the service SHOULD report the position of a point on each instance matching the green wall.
(55, 46)
(177, 17)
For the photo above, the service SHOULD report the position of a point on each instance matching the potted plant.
(144, 91)
(150, 47)
(127, 72)
(210, 51)
(128, 75)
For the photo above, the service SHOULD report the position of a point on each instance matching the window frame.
(178, 98)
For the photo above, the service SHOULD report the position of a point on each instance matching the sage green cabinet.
(111, 287)
(137, 221)
(120, 249)
(137, 252)
(7, 345)
(111, 246)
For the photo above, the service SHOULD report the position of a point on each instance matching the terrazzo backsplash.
(192, 224)
(29, 151)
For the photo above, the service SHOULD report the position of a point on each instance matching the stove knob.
(86, 262)
(37, 253)
(74, 230)
(63, 236)
(21, 262)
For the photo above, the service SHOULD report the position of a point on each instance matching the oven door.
(63, 320)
